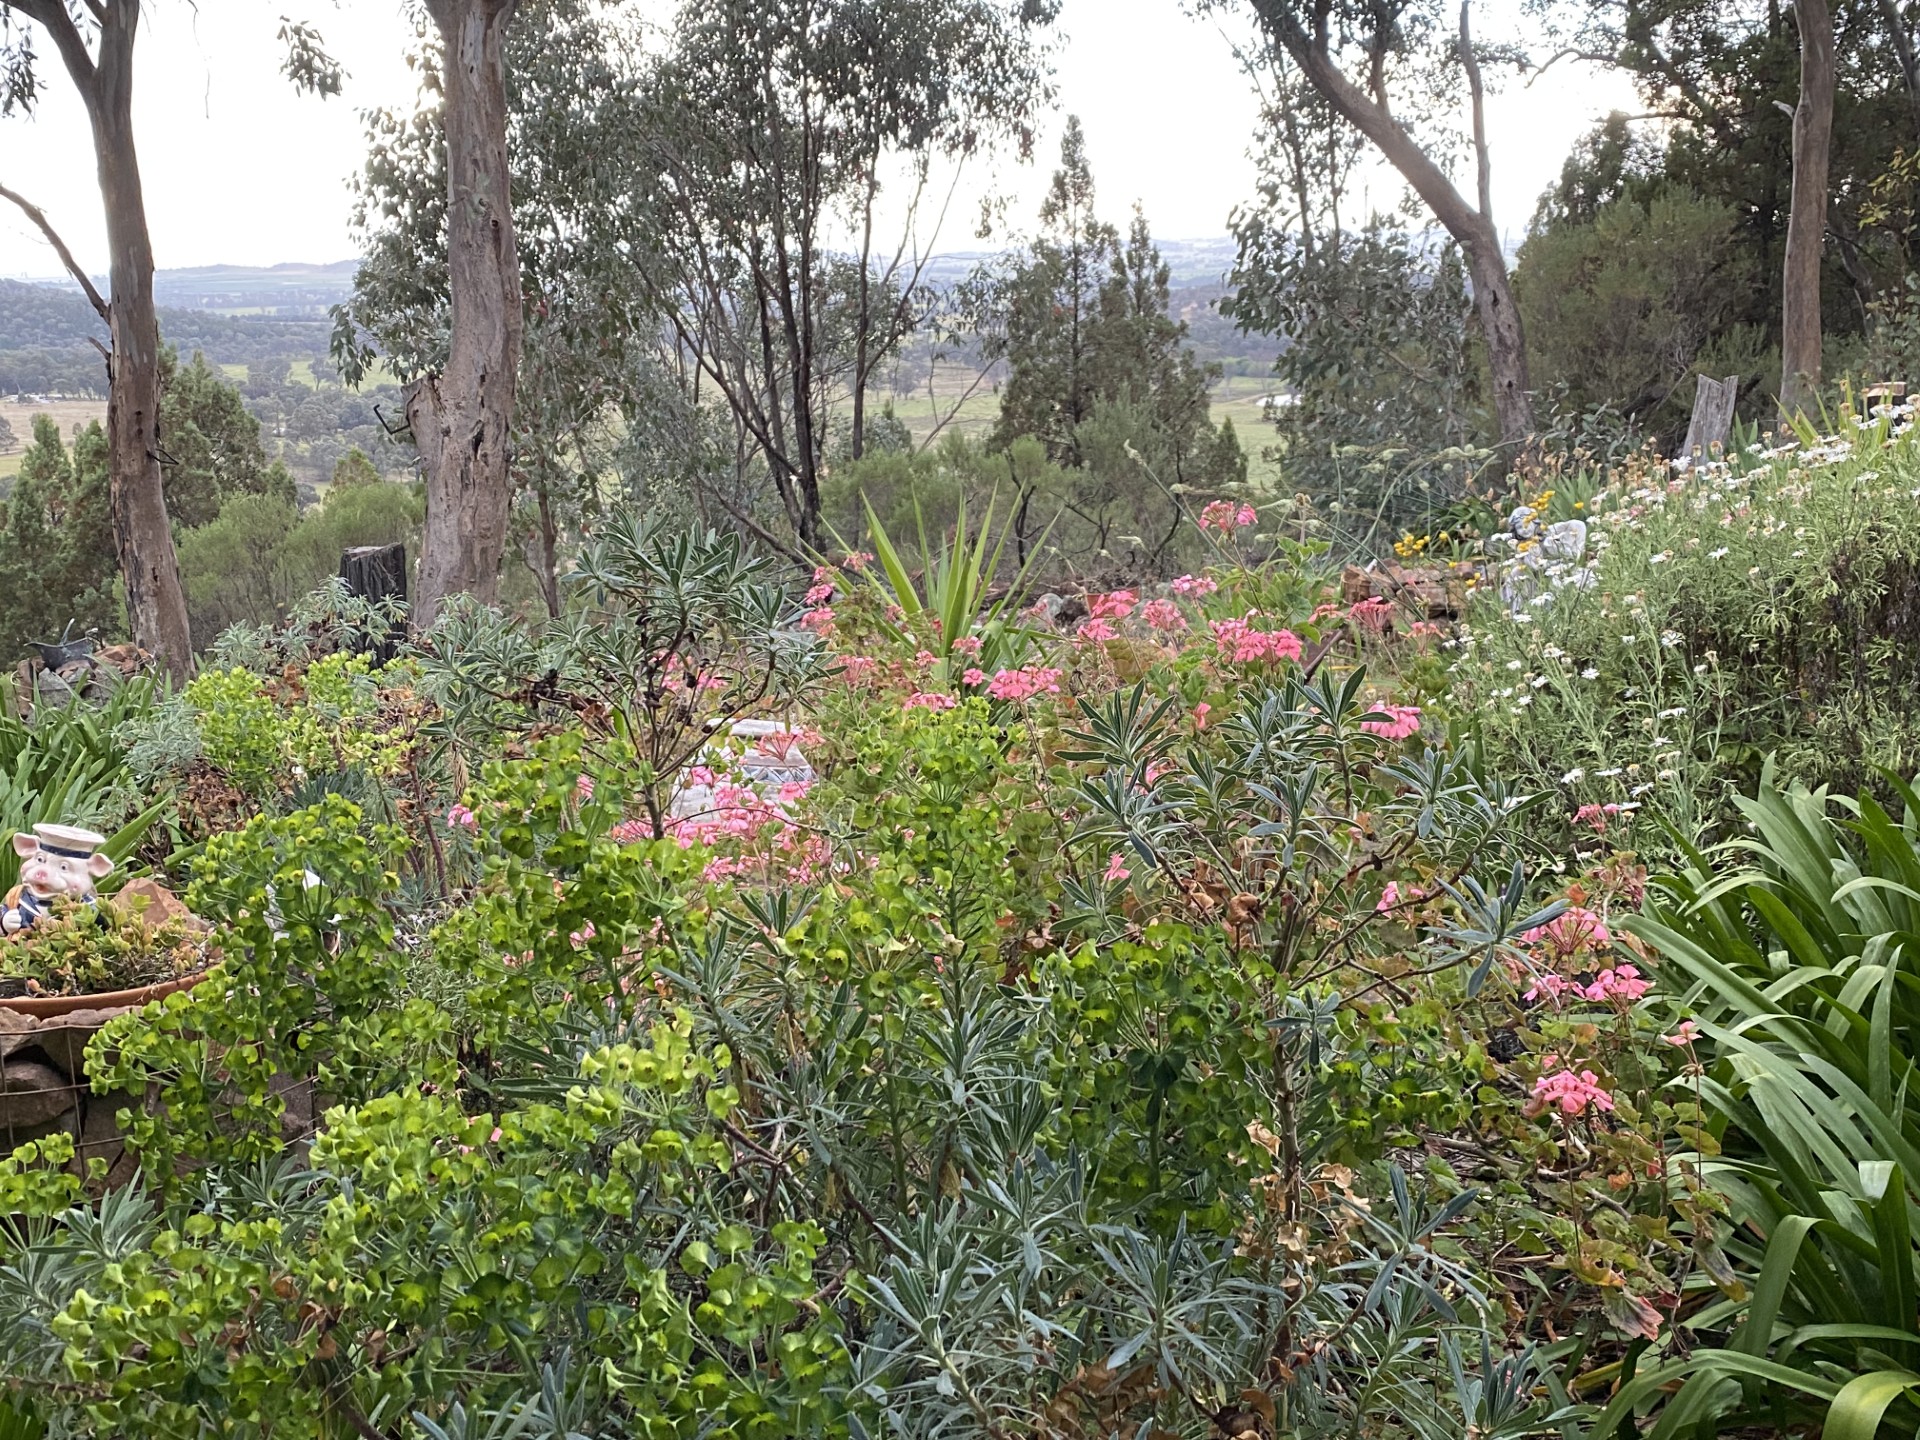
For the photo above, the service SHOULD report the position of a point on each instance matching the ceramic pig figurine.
(57, 862)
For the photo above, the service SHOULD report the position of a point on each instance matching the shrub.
(1769, 605)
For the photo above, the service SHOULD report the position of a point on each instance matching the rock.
(129, 660)
(32, 1097)
(1431, 592)
(156, 905)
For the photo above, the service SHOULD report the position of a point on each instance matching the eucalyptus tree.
(774, 126)
(590, 363)
(1395, 71)
(1740, 94)
(95, 42)
(703, 221)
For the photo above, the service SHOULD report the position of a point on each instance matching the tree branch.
(1471, 64)
(38, 217)
(52, 16)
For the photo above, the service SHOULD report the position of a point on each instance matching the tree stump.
(378, 572)
(1712, 420)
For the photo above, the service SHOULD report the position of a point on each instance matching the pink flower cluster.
(1094, 631)
(1024, 684)
(1195, 585)
(1373, 613)
(1569, 1093)
(1114, 605)
(1394, 896)
(1116, 869)
(929, 700)
(1239, 642)
(1396, 722)
(818, 595)
(1623, 983)
(461, 818)
(741, 815)
(1226, 517)
(1595, 817)
(1164, 615)
(1568, 933)
(855, 668)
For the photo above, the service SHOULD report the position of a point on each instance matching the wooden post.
(1712, 420)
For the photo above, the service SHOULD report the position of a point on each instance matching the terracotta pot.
(46, 1006)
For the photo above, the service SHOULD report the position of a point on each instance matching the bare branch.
(38, 217)
(1471, 64)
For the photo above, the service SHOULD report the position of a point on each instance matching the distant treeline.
(45, 335)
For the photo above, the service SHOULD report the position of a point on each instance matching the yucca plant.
(1802, 971)
(954, 589)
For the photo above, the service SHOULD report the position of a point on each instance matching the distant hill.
(283, 291)
(45, 332)
(287, 292)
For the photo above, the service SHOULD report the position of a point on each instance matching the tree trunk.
(1470, 227)
(156, 603)
(1807, 221)
(461, 417)
(1904, 52)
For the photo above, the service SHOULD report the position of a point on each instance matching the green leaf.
(1856, 1411)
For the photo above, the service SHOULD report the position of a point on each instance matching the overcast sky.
(239, 170)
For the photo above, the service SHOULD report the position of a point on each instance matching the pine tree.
(57, 557)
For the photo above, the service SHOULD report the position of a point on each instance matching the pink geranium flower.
(1595, 817)
(1023, 684)
(1392, 722)
(1575, 929)
(1226, 517)
(1237, 641)
(1116, 869)
(1569, 1093)
(1164, 615)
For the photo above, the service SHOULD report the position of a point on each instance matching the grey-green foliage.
(657, 614)
(1385, 412)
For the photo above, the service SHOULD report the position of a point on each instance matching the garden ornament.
(1541, 559)
(772, 759)
(57, 862)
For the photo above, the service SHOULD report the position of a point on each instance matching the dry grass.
(67, 414)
